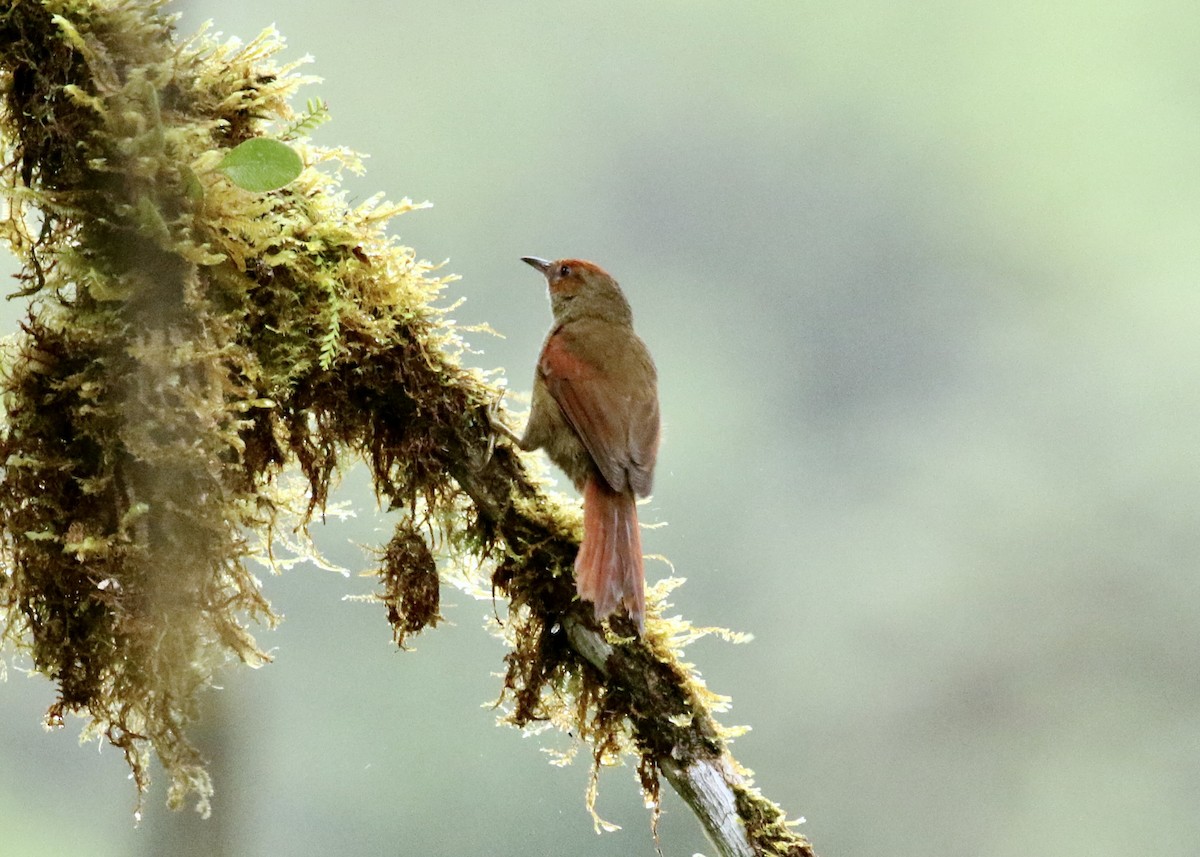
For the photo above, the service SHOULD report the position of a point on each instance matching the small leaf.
(261, 164)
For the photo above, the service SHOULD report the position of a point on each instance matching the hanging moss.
(186, 340)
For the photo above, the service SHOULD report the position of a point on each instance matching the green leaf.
(261, 164)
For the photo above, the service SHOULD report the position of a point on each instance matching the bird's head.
(580, 288)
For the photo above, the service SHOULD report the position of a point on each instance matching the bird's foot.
(495, 415)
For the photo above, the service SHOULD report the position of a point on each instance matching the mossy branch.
(189, 340)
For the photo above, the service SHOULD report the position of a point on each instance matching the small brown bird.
(595, 412)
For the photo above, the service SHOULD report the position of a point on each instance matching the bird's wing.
(604, 383)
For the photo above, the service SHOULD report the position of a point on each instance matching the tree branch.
(654, 693)
(191, 340)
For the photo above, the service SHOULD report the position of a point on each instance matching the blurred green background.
(921, 281)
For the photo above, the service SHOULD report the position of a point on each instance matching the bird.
(595, 412)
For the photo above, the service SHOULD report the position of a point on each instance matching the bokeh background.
(921, 281)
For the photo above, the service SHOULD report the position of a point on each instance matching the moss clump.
(769, 827)
(411, 586)
(186, 340)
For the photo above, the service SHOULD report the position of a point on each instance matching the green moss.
(168, 369)
(768, 827)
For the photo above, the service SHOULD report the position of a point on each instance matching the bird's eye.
(564, 271)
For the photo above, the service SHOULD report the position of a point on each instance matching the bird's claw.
(496, 422)
(499, 426)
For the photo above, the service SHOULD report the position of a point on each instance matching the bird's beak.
(541, 264)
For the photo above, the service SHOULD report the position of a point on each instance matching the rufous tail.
(608, 568)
